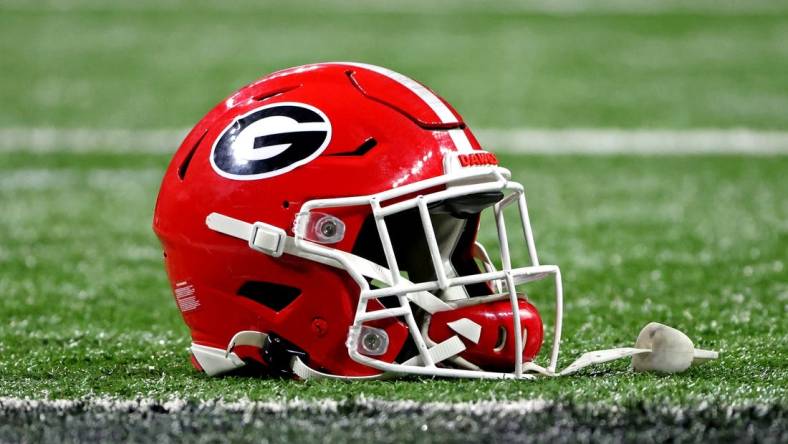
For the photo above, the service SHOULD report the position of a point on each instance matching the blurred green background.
(698, 242)
(151, 63)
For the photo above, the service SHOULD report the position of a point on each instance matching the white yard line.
(510, 141)
(639, 141)
(84, 140)
(177, 405)
(321, 405)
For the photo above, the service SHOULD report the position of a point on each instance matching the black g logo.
(271, 140)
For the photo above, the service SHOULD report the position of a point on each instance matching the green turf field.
(697, 242)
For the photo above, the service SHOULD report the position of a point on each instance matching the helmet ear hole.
(272, 295)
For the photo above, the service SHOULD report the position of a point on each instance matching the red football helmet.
(322, 222)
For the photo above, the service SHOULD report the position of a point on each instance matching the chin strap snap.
(261, 236)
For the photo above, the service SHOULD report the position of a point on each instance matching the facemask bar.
(461, 183)
(500, 222)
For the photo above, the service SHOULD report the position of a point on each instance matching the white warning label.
(186, 297)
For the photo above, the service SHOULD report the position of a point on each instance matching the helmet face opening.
(464, 207)
(455, 238)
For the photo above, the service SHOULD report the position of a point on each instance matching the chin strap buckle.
(262, 237)
(279, 354)
(267, 239)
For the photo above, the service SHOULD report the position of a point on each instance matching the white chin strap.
(658, 348)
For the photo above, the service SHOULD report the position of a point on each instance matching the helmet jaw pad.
(493, 349)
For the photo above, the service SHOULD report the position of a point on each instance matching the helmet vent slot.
(265, 95)
(188, 159)
(274, 296)
(362, 149)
